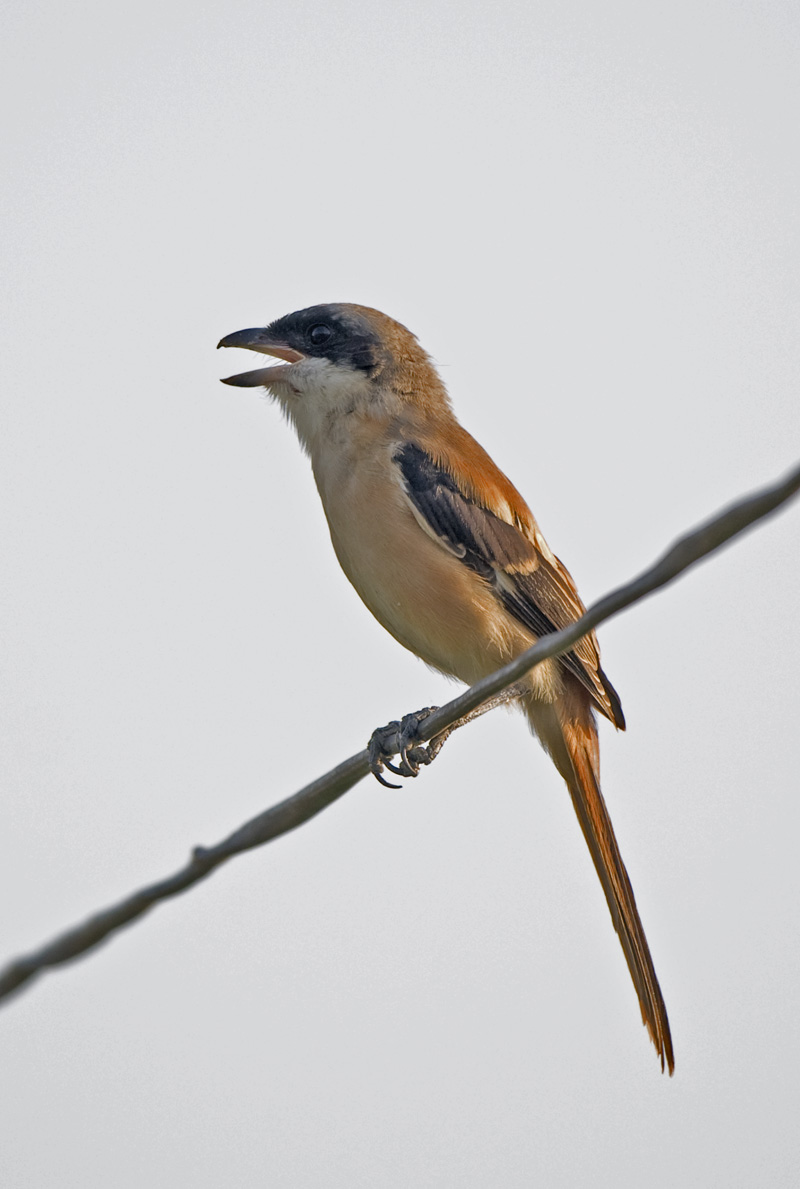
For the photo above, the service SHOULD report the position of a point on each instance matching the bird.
(447, 556)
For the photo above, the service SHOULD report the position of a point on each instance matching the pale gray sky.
(589, 215)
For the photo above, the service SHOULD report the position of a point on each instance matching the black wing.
(536, 591)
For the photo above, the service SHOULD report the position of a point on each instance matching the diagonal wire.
(311, 800)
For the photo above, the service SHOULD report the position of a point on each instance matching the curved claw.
(402, 738)
(379, 752)
(387, 784)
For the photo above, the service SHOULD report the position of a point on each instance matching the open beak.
(258, 339)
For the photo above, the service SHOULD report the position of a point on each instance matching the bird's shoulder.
(466, 503)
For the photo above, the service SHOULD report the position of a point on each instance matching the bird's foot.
(402, 738)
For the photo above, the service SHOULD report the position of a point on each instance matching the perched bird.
(446, 554)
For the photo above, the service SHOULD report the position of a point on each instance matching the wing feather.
(537, 591)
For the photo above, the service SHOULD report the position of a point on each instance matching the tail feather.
(573, 747)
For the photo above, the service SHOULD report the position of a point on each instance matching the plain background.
(589, 215)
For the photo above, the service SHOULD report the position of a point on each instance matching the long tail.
(572, 743)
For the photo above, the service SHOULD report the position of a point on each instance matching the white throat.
(316, 394)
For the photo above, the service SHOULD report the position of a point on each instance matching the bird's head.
(337, 358)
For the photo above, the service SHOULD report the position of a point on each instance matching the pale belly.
(428, 599)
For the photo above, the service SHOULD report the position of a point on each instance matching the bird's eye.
(320, 334)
